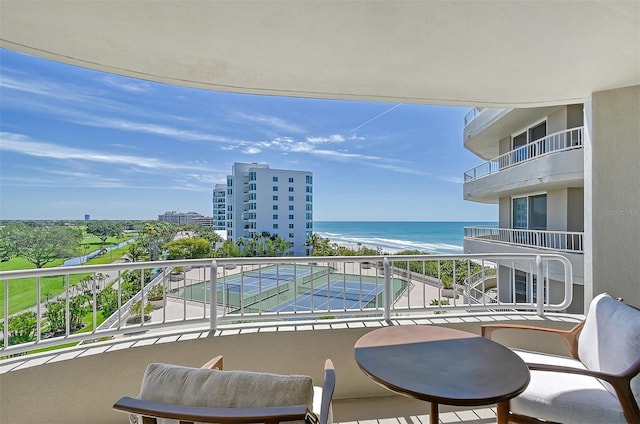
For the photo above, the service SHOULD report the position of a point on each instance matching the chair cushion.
(224, 389)
(565, 398)
(610, 339)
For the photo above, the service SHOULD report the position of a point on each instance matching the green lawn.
(22, 292)
(87, 320)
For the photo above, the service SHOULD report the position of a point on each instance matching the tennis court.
(335, 295)
(254, 282)
(250, 285)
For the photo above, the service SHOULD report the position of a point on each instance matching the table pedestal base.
(433, 416)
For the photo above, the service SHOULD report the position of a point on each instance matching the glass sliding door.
(519, 151)
(529, 213)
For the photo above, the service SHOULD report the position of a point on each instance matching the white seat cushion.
(223, 389)
(565, 398)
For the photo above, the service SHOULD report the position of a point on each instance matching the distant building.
(277, 201)
(186, 218)
(87, 217)
(219, 207)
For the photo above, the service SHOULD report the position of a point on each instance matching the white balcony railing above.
(557, 142)
(561, 241)
(252, 289)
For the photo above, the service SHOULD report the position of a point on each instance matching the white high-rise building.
(278, 201)
(220, 207)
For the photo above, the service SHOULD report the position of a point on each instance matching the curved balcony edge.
(80, 384)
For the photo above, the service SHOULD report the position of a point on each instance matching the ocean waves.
(392, 245)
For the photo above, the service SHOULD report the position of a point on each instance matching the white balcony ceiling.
(485, 53)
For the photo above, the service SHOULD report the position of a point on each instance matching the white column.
(612, 194)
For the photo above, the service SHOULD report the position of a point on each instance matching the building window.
(291, 235)
(290, 216)
(523, 292)
(309, 179)
(290, 207)
(309, 198)
(309, 216)
(229, 191)
(275, 188)
(252, 186)
(275, 179)
(528, 136)
(308, 189)
(275, 207)
(291, 189)
(252, 196)
(275, 198)
(230, 182)
(291, 198)
(308, 207)
(275, 216)
(275, 226)
(530, 213)
(252, 176)
(291, 226)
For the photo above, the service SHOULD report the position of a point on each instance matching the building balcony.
(484, 127)
(554, 161)
(481, 240)
(256, 327)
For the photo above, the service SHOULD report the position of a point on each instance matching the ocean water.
(431, 237)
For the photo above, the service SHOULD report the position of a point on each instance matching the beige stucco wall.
(557, 210)
(557, 121)
(612, 194)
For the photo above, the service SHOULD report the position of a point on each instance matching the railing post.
(539, 287)
(387, 289)
(213, 306)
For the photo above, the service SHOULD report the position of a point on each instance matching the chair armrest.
(214, 364)
(328, 386)
(210, 415)
(570, 337)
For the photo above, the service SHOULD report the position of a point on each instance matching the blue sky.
(75, 141)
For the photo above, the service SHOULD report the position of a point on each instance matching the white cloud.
(271, 122)
(22, 144)
(132, 86)
(251, 150)
(456, 180)
(334, 138)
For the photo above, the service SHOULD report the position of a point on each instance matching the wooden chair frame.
(621, 382)
(150, 410)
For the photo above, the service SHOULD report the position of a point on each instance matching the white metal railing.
(264, 289)
(563, 241)
(473, 112)
(557, 142)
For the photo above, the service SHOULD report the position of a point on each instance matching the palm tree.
(135, 253)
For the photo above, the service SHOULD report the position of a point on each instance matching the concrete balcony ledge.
(80, 384)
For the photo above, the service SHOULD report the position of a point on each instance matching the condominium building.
(278, 201)
(534, 172)
(175, 217)
(219, 207)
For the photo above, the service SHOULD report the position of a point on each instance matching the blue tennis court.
(254, 282)
(337, 295)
